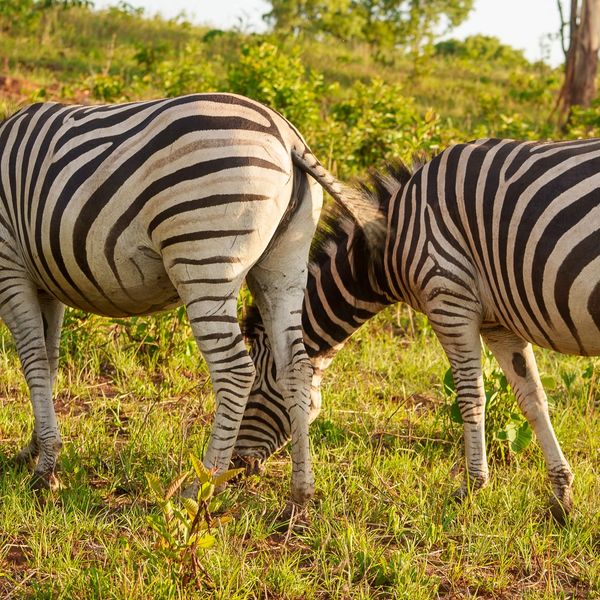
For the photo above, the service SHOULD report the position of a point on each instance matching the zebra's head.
(266, 424)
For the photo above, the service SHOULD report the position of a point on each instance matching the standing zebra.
(494, 238)
(129, 209)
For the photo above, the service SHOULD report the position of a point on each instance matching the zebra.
(342, 293)
(494, 239)
(132, 208)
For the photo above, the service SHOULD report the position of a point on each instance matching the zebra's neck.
(344, 289)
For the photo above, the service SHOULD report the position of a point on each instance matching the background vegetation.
(133, 395)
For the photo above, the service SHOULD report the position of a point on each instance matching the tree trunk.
(579, 87)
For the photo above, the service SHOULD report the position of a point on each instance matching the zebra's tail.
(360, 206)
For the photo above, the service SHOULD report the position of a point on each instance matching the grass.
(387, 459)
(133, 397)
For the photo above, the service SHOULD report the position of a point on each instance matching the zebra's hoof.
(561, 505)
(460, 494)
(292, 518)
(472, 486)
(301, 495)
(44, 481)
(252, 465)
(23, 460)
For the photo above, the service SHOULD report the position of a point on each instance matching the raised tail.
(359, 205)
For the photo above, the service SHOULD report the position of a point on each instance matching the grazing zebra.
(494, 238)
(342, 292)
(129, 209)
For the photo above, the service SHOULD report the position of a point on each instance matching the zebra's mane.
(335, 228)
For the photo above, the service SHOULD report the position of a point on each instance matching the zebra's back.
(519, 224)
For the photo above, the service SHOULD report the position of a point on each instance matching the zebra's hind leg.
(52, 317)
(215, 326)
(21, 310)
(277, 283)
(517, 360)
(280, 307)
(459, 336)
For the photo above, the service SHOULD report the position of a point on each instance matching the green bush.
(585, 122)
(377, 123)
(482, 48)
(279, 80)
(175, 74)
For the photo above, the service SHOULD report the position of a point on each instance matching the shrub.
(377, 123)
(279, 80)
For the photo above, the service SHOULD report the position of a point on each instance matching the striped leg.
(277, 283)
(217, 332)
(52, 317)
(281, 312)
(21, 310)
(461, 342)
(517, 360)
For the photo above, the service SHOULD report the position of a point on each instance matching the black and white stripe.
(498, 239)
(342, 292)
(128, 209)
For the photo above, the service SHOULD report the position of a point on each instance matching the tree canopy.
(382, 23)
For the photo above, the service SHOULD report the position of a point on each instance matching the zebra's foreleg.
(517, 360)
(52, 318)
(459, 336)
(21, 311)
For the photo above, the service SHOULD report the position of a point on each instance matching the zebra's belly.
(575, 331)
(138, 285)
(585, 342)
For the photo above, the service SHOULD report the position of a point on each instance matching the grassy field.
(134, 399)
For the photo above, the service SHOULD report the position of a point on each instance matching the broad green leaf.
(549, 382)
(206, 491)
(490, 397)
(202, 473)
(191, 506)
(448, 386)
(155, 485)
(167, 508)
(523, 438)
(226, 476)
(175, 485)
(455, 412)
(509, 433)
(202, 542)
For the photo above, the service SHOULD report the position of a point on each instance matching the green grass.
(387, 459)
(134, 397)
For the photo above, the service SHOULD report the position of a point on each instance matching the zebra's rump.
(111, 206)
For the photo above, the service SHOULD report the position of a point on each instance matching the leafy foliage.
(483, 48)
(381, 23)
(377, 122)
(185, 527)
(280, 80)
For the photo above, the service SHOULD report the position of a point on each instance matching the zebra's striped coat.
(129, 209)
(498, 239)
